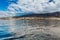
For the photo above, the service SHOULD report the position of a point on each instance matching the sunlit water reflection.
(16, 28)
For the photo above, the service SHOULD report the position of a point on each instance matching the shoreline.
(31, 18)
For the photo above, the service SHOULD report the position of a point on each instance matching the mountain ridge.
(55, 14)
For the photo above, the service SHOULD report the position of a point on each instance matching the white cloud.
(3, 14)
(6, 14)
(35, 6)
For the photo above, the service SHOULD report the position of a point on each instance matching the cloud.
(31, 6)
(35, 6)
(3, 14)
(6, 14)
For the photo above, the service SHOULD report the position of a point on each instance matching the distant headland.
(53, 16)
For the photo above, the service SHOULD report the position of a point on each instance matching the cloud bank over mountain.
(33, 6)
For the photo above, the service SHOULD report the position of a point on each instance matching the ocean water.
(29, 29)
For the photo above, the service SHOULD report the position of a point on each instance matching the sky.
(5, 3)
(23, 7)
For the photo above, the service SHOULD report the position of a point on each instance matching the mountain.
(55, 14)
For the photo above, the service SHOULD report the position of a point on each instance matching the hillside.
(55, 14)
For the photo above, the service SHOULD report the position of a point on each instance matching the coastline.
(30, 18)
